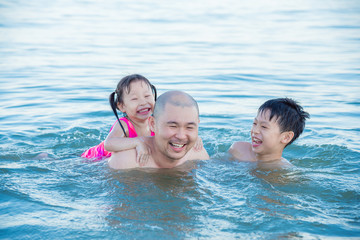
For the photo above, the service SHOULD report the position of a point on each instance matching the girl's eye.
(254, 123)
(134, 99)
(147, 96)
(264, 127)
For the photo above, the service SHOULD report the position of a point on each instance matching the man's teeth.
(177, 145)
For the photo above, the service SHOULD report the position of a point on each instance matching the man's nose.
(180, 133)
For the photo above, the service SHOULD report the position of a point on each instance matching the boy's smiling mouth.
(256, 142)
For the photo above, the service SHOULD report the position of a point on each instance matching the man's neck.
(162, 161)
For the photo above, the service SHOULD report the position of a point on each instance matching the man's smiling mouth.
(177, 145)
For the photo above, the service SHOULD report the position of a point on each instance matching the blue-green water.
(59, 60)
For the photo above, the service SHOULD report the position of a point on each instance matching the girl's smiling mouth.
(144, 111)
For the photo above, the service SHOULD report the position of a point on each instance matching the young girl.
(134, 96)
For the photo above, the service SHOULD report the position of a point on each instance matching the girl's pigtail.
(154, 90)
(113, 107)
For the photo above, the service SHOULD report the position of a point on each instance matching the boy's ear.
(287, 137)
(152, 123)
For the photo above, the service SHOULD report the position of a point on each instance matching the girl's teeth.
(144, 110)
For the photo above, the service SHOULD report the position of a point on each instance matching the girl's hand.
(198, 145)
(142, 152)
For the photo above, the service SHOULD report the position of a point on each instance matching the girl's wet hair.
(124, 85)
(288, 113)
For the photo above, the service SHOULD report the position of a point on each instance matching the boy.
(278, 123)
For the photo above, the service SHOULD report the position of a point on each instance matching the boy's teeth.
(257, 141)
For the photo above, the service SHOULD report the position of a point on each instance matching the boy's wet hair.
(288, 113)
(124, 85)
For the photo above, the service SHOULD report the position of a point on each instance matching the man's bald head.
(175, 98)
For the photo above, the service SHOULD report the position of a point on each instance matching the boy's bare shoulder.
(241, 151)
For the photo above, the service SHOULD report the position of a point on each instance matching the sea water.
(59, 61)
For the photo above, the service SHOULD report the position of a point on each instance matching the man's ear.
(287, 137)
(152, 123)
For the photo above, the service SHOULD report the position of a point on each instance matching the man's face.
(176, 130)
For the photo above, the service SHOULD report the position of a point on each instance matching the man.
(175, 122)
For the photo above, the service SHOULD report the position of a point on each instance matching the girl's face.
(138, 103)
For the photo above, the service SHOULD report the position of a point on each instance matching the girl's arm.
(117, 142)
(198, 144)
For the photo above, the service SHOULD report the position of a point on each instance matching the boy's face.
(266, 137)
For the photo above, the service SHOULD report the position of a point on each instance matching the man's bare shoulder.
(127, 160)
(197, 155)
(241, 151)
(123, 160)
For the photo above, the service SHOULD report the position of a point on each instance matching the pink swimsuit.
(99, 151)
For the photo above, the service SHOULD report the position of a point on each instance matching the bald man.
(175, 122)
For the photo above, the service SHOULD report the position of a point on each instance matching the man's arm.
(123, 160)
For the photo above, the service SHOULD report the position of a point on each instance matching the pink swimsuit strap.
(131, 128)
